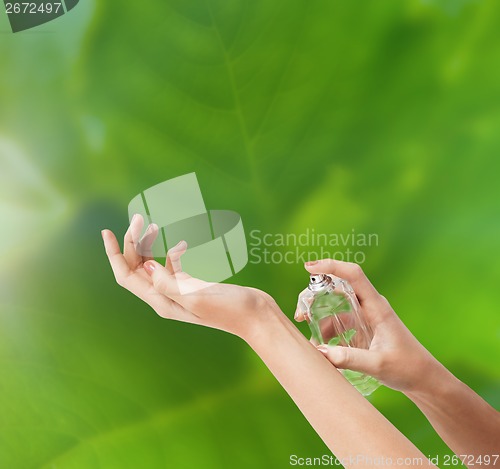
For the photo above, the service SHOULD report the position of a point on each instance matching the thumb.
(351, 358)
(163, 281)
(179, 286)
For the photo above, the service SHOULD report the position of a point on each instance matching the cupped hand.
(395, 357)
(174, 294)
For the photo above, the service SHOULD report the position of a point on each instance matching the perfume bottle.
(334, 316)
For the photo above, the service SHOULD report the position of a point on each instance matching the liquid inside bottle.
(335, 318)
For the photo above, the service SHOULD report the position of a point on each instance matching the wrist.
(435, 381)
(268, 321)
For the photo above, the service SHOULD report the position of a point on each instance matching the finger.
(131, 241)
(140, 286)
(300, 312)
(118, 262)
(299, 315)
(353, 273)
(349, 358)
(173, 261)
(146, 242)
(179, 287)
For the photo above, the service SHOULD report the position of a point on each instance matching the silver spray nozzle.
(319, 281)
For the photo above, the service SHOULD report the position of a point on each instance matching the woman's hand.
(467, 424)
(173, 294)
(395, 356)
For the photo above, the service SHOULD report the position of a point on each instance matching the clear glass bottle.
(333, 313)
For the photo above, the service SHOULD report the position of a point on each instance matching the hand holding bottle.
(392, 348)
(467, 423)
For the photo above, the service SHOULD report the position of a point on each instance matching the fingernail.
(309, 263)
(322, 348)
(134, 216)
(150, 267)
(180, 245)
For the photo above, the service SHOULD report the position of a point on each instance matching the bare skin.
(359, 430)
(467, 424)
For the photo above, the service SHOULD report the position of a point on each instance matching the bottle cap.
(319, 282)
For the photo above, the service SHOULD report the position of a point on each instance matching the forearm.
(348, 424)
(467, 424)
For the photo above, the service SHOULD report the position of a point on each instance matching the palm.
(129, 269)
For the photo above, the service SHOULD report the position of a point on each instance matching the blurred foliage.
(377, 115)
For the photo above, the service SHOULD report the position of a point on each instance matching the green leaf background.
(377, 115)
